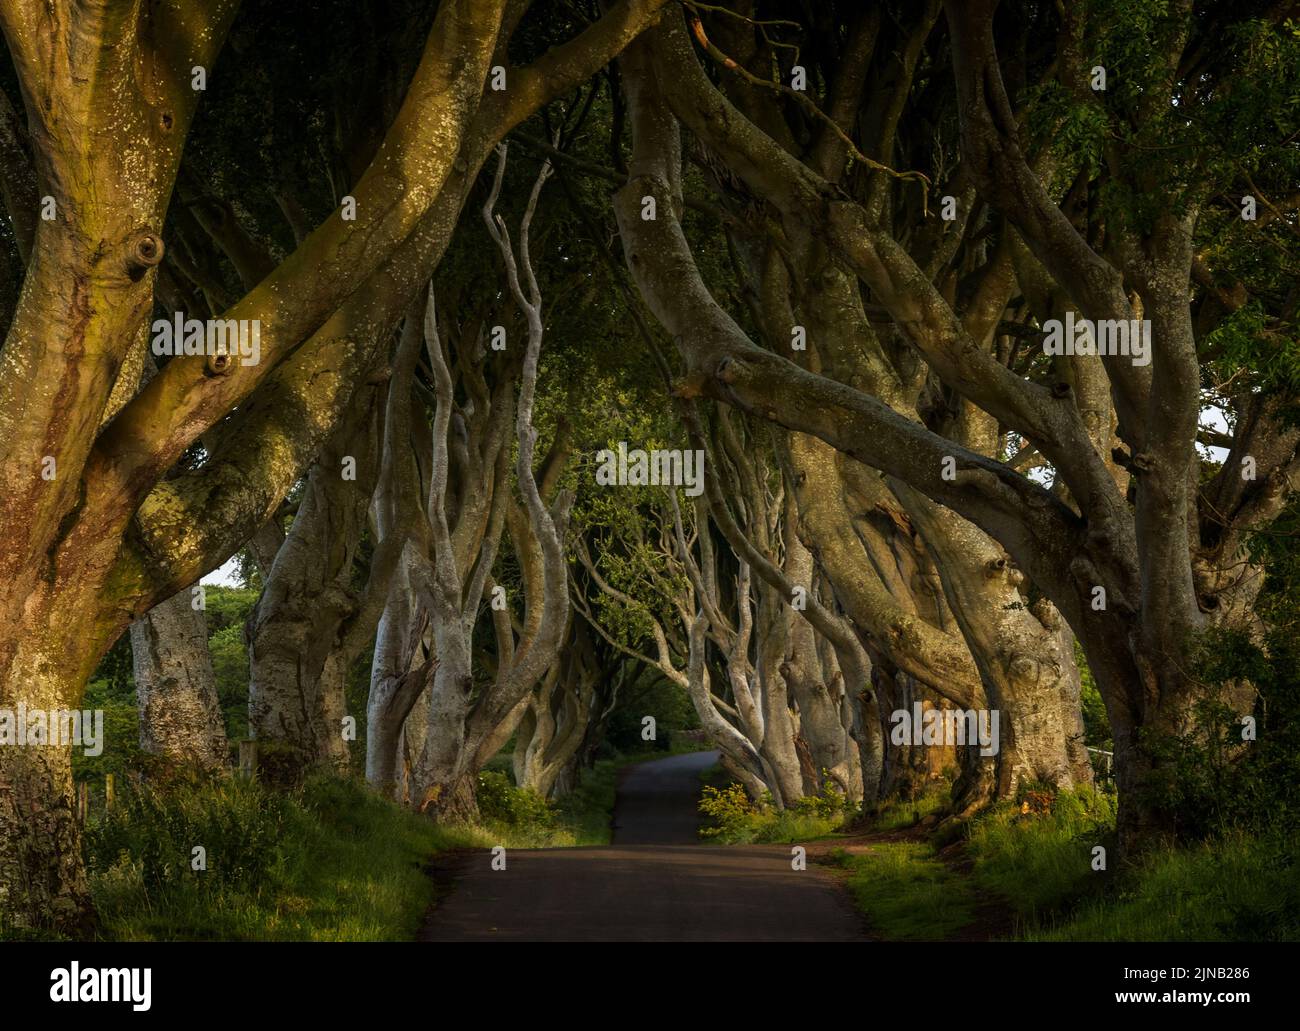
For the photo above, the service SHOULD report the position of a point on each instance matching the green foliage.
(1235, 888)
(1037, 852)
(906, 891)
(236, 822)
(1211, 775)
(225, 607)
(1034, 857)
(121, 751)
(501, 802)
(1096, 724)
(731, 811)
(588, 810)
(520, 818)
(735, 819)
(654, 696)
(899, 813)
(332, 862)
(230, 667)
(116, 669)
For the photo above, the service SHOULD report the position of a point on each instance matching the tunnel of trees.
(802, 364)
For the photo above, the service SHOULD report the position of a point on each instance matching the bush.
(737, 820)
(500, 801)
(731, 811)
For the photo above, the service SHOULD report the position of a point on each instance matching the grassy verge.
(1039, 854)
(1035, 858)
(898, 814)
(906, 892)
(332, 862)
(1236, 888)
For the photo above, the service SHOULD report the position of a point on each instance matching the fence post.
(248, 759)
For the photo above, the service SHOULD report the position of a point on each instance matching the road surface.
(654, 883)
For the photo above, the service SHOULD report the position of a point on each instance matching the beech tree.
(855, 241)
(95, 533)
(1087, 536)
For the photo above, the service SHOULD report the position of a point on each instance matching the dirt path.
(654, 883)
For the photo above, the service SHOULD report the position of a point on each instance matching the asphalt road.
(654, 883)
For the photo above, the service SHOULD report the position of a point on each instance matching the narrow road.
(654, 883)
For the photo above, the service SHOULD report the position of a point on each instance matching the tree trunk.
(298, 662)
(553, 725)
(399, 674)
(176, 688)
(42, 879)
(815, 680)
(1025, 661)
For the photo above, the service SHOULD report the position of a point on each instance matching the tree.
(1085, 535)
(95, 531)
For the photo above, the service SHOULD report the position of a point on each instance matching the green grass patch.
(906, 892)
(332, 862)
(899, 814)
(1037, 853)
(1235, 888)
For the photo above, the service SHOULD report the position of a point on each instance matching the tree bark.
(298, 656)
(176, 688)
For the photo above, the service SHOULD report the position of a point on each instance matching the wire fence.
(1103, 763)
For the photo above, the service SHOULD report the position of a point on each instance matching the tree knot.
(219, 364)
(144, 250)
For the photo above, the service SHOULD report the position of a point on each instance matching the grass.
(1236, 888)
(330, 862)
(1033, 856)
(899, 814)
(907, 893)
(333, 862)
(1041, 861)
(1036, 857)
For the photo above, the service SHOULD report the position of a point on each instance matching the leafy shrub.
(731, 811)
(500, 801)
(737, 820)
(831, 803)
